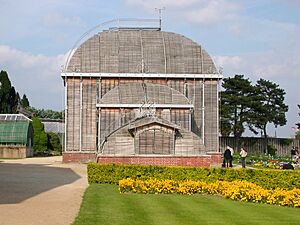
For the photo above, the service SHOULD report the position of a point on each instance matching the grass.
(103, 204)
(9, 158)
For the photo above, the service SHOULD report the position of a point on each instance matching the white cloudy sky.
(258, 38)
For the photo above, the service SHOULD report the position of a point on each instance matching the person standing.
(293, 154)
(232, 152)
(243, 154)
(227, 157)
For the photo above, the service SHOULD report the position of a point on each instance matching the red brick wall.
(205, 160)
(79, 157)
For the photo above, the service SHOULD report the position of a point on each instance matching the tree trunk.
(265, 143)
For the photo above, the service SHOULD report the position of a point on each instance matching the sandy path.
(40, 191)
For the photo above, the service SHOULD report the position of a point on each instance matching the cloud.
(151, 5)
(232, 62)
(269, 65)
(213, 12)
(205, 12)
(54, 20)
(37, 76)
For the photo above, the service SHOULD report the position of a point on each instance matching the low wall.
(203, 161)
(15, 152)
(69, 157)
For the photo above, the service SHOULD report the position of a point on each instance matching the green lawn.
(103, 205)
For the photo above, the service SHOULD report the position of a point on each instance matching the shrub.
(54, 143)
(40, 140)
(271, 150)
(286, 141)
(270, 179)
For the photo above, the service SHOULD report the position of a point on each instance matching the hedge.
(269, 179)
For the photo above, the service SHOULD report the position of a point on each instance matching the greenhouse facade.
(141, 96)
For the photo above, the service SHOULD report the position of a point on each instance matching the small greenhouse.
(16, 136)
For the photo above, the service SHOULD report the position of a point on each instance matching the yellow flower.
(237, 190)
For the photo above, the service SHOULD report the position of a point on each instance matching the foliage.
(45, 113)
(265, 158)
(24, 102)
(270, 107)
(255, 106)
(236, 190)
(40, 139)
(112, 173)
(236, 100)
(271, 150)
(285, 141)
(44, 143)
(54, 143)
(9, 98)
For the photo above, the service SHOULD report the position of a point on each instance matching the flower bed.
(235, 190)
(269, 179)
(270, 162)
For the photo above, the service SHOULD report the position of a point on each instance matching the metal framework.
(15, 129)
(113, 78)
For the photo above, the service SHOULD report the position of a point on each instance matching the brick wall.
(78, 157)
(205, 160)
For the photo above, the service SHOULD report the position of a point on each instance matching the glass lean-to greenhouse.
(16, 136)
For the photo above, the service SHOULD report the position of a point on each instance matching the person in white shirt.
(243, 154)
(232, 152)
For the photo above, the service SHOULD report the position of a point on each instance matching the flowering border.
(236, 190)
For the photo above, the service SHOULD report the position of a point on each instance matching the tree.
(24, 101)
(236, 101)
(46, 113)
(270, 107)
(54, 142)
(14, 100)
(40, 139)
(5, 88)
(9, 98)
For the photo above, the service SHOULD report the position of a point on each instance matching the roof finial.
(160, 15)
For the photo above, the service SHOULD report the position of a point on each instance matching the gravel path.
(40, 191)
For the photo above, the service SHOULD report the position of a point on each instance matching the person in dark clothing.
(287, 167)
(227, 158)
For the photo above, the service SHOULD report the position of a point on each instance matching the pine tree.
(236, 101)
(9, 98)
(270, 108)
(24, 101)
(5, 91)
(14, 100)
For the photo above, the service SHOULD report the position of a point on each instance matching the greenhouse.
(142, 96)
(16, 136)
